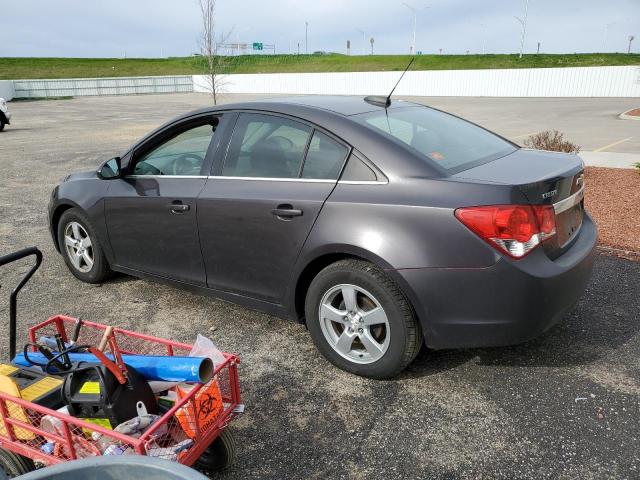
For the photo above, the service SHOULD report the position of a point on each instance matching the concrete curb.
(610, 159)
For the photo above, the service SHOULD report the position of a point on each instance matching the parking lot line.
(612, 144)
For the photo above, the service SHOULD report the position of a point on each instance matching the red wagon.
(23, 438)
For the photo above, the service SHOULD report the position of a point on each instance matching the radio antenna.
(382, 101)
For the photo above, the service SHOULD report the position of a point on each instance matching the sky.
(160, 28)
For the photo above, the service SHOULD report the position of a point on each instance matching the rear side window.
(447, 141)
(266, 146)
(358, 171)
(325, 158)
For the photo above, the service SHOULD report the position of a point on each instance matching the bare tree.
(214, 62)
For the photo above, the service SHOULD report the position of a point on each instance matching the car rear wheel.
(80, 247)
(361, 321)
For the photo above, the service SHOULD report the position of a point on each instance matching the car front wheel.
(361, 321)
(80, 247)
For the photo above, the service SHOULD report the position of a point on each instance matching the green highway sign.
(257, 45)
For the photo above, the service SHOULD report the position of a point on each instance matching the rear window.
(447, 141)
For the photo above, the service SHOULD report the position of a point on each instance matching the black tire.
(220, 455)
(14, 465)
(405, 333)
(100, 270)
(1, 124)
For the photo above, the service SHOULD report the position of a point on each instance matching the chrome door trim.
(166, 176)
(269, 179)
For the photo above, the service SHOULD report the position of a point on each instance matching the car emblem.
(580, 180)
(549, 194)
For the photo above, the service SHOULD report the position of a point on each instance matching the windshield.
(450, 142)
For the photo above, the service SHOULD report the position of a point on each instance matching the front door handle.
(178, 207)
(286, 212)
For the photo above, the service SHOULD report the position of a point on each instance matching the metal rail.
(13, 257)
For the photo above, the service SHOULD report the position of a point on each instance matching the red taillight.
(513, 229)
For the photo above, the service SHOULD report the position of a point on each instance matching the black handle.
(12, 257)
(286, 211)
(76, 330)
(178, 207)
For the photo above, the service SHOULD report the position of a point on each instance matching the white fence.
(529, 82)
(73, 87)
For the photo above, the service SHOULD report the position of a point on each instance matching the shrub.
(637, 165)
(551, 140)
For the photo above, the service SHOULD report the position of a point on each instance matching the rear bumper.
(507, 303)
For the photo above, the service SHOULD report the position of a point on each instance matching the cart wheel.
(14, 465)
(220, 454)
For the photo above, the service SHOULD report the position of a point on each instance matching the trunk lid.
(543, 178)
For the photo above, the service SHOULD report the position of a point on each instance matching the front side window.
(442, 139)
(266, 146)
(182, 155)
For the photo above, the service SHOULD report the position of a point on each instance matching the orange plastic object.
(207, 406)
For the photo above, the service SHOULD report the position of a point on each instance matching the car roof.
(344, 105)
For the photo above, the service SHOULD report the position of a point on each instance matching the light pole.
(631, 38)
(606, 35)
(306, 38)
(523, 25)
(364, 41)
(238, 32)
(484, 36)
(414, 11)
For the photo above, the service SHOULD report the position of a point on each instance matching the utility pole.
(364, 41)
(348, 47)
(631, 38)
(372, 40)
(306, 37)
(414, 11)
(523, 25)
(538, 50)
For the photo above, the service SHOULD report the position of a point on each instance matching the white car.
(5, 114)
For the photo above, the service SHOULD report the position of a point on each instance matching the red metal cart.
(21, 422)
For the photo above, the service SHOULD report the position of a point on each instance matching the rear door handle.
(286, 211)
(178, 207)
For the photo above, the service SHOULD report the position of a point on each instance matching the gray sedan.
(382, 229)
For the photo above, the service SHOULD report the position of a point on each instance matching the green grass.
(24, 68)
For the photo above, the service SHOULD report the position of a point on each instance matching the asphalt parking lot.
(566, 405)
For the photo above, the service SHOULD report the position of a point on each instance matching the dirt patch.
(613, 198)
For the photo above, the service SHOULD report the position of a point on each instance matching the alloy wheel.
(354, 323)
(78, 246)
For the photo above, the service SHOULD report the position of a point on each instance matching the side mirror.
(110, 169)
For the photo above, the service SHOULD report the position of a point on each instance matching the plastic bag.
(206, 348)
